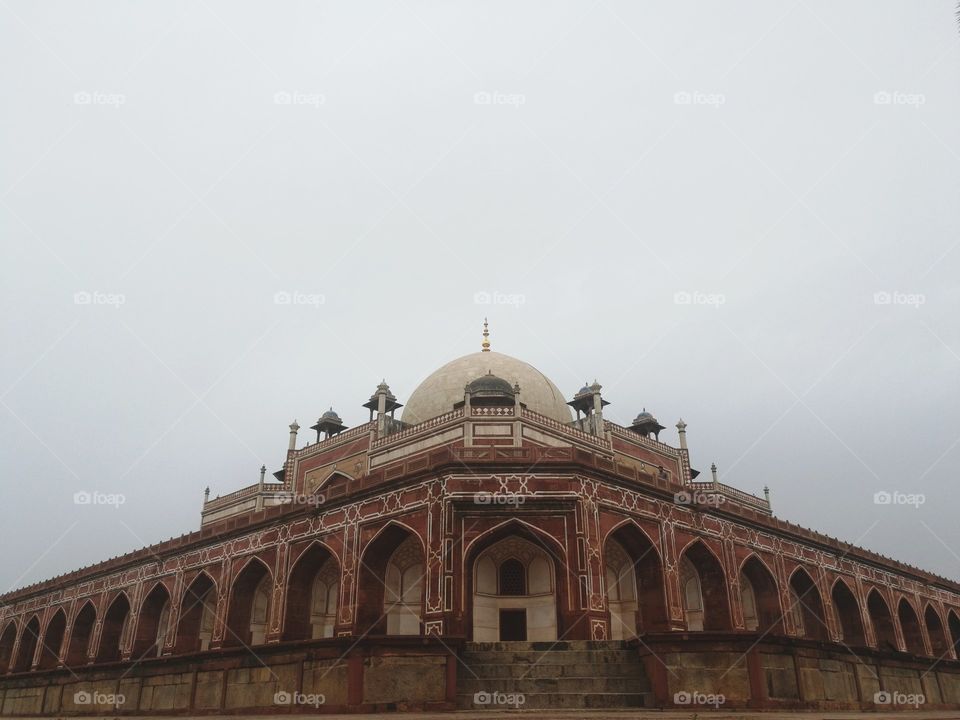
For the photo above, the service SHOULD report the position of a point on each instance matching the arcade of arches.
(514, 587)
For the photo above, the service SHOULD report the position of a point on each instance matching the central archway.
(514, 593)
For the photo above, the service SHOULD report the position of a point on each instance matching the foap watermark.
(296, 97)
(695, 97)
(486, 297)
(96, 297)
(696, 497)
(315, 500)
(489, 498)
(283, 697)
(495, 97)
(883, 497)
(896, 297)
(83, 697)
(895, 97)
(114, 500)
(283, 297)
(96, 97)
(695, 697)
(894, 697)
(685, 297)
(499, 699)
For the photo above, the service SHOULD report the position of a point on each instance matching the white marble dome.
(444, 387)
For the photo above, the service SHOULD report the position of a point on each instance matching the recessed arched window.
(513, 578)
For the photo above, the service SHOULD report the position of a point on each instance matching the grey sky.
(589, 162)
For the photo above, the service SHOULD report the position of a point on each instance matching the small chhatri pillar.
(294, 427)
(329, 424)
(589, 402)
(382, 402)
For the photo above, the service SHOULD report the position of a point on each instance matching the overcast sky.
(745, 214)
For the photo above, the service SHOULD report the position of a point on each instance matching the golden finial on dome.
(485, 345)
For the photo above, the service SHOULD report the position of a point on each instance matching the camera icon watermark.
(499, 699)
(84, 697)
(283, 697)
(96, 297)
(894, 697)
(95, 97)
(697, 497)
(114, 500)
(694, 697)
(314, 500)
(895, 297)
(884, 497)
(495, 297)
(494, 97)
(685, 297)
(695, 97)
(504, 499)
(296, 97)
(896, 97)
(284, 297)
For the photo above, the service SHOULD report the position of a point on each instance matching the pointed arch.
(313, 591)
(759, 587)
(939, 643)
(395, 610)
(644, 570)
(515, 526)
(910, 627)
(953, 626)
(29, 637)
(882, 621)
(51, 650)
(79, 646)
(849, 617)
(115, 622)
(7, 640)
(197, 613)
(807, 605)
(153, 623)
(704, 584)
(249, 608)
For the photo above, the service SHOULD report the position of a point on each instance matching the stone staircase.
(551, 675)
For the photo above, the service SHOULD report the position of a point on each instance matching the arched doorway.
(153, 623)
(53, 641)
(83, 624)
(28, 645)
(703, 589)
(7, 640)
(391, 584)
(882, 621)
(115, 624)
(249, 606)
(848, 615)
(759, 597)
(632, 563)
(938, 638)
(197, 613)
(312, 594)
(514, 596)
(910, 625)
(953, 622)
(806, 606)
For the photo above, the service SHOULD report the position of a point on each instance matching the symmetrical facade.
(493, 511)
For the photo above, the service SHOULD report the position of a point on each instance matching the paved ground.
(629, 714)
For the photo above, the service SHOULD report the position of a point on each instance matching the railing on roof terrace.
(336, 439)
(418, 428)
(731, 493)
(626, 434)
(241, 494)
(575, 432)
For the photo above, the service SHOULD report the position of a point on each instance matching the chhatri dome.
(444, 388)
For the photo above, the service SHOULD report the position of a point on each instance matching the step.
(603, 684)
(539, 701)
(547, 670)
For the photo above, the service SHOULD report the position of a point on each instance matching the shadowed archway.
(641, 567)
(53, 641)
(760, 598)
(807, 606)
(153, 623)
(935, 631)
(28, 645)
(849, 619)
(312, 594)
(83, 624)
(704, 589)
(249, 610)
(115, 622)
(882, 621)
(910, 626)
(197, 613)
(7, 640)
(390, 588)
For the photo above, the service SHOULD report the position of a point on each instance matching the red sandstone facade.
(823, 623)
